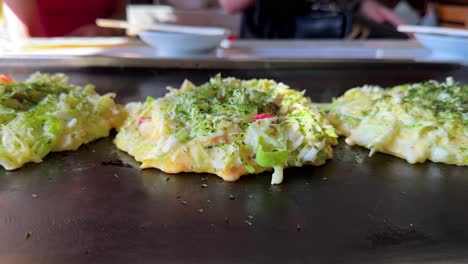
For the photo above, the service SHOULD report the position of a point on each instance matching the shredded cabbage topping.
(228, 127)
(46, 113)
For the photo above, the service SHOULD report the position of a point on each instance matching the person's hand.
(379, 13)
(92, 31)
(234, 6)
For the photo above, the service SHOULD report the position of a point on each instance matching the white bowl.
(445, 46)
(200, 40)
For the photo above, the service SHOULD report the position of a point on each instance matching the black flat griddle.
(73, 208)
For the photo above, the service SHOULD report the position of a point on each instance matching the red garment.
(61, 17)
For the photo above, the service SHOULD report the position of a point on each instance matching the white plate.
(445, 46)
(458, 32)
(176, 43)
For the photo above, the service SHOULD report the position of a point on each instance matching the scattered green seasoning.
(212, 106)
(448, 101)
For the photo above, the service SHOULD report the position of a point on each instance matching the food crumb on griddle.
(391, 234)
(28, 235)
(116, 162)
(168, 179)
(204, 185)
(275, 188)
(248, 222)
(35, 195)
(298, 228)
(232, 197)
(200, 210)
(184, 202)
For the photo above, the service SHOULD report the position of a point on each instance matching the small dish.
(199, 40)
(445, 43)
(443, 46)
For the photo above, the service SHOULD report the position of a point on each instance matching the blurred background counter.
(209, 13)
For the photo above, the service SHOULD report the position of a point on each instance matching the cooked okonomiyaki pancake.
(46, 113)
(228, 127)
(415, 122)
